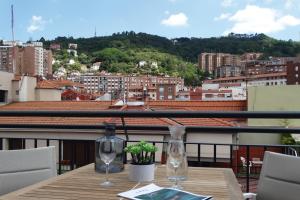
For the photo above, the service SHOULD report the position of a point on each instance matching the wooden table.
(84, 183)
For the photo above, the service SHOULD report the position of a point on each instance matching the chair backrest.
(20, 168)
(255, 159)
(243, 161)
(279, 178)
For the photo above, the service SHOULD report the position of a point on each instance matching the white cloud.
(179, 19)
(254, 19)
(289, 4)
(222, 16)
(37, 23)
(167, 12)
(226, 3)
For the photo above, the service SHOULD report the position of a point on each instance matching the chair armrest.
(251, 196)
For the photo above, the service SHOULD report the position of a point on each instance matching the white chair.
(279, 178)
(20, 168)
(244, 162)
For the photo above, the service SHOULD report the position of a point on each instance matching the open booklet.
(154, 192)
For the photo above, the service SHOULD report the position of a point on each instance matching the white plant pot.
(141, 173)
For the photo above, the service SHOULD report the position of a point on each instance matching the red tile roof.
(56, 84)
(105, 105)
(58, 105)
(200, 105)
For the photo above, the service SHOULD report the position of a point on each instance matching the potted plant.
(142, 166)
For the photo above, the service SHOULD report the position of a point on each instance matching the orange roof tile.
(201, 105)
(58, 105)
(56, 84)
(105, 105)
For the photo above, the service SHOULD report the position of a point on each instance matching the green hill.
(121, 52)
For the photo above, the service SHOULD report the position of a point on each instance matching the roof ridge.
(223, 121)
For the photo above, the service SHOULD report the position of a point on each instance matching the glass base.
(177, 187)
(107, 184)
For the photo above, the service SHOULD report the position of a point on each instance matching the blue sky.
(169, 18)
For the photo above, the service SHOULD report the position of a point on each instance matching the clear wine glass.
(107, 152)
(176, 156)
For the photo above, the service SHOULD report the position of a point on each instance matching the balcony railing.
(232, 161)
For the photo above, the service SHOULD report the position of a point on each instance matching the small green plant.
(142, 153)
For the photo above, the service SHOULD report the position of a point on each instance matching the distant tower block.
(95, 35)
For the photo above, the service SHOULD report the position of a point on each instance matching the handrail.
(161, 114)
(189, 129)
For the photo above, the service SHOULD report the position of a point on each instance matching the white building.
(224, 92)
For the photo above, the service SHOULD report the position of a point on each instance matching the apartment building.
(30, 59)
(7, 63)
(127, 86)
(293, 73)
(103, 83)
(223, 92)
(251, 56)
(255, 80)
(55, 46)
(228, 71)
(211, 61)
(152, 81)
(141, 94)
(47, 62)
(256, 68)
(166, 92)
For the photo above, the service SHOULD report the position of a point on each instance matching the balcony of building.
(211, 139)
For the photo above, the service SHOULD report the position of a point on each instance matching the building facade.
(211, 61)
(228, 71)
(128, 86)
(166, 92)
(26, 59)
(293, 73)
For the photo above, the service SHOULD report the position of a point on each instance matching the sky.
(169, 18)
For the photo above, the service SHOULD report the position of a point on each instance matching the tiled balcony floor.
(252, 185)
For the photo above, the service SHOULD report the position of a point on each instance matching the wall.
(27, 87)
(271, 98)
(6, 84)
(48, 94)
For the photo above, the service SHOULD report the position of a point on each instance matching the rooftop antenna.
(12, 24)
(13, 39)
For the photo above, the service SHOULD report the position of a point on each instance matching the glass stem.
(106, 171)
(176, 179)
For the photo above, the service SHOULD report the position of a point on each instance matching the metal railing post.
(231, 151)
(59, 156)
(248, 167)
(215, 153)
(199, 152)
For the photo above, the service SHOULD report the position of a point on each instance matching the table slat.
(84, 183)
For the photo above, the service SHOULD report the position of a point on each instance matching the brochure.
(154, 192)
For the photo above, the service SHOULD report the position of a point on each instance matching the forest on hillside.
(122, 52)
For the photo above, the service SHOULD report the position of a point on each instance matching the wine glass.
(176, 156)
(107, 152)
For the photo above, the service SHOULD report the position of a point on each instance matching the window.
(3, 94)
(296, 75)
(296, 68)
